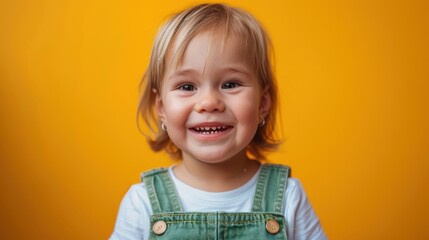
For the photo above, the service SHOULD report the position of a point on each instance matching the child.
(214, 97)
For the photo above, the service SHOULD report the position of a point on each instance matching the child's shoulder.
(139, 190)
(293, 184)
(137, 198)
(152, 172)
(276, 167)
(294, 189)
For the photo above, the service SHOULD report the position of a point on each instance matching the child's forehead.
(214, 43)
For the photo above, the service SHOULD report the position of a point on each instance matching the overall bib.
(265, 221)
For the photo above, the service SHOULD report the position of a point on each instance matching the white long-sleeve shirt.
(133, 221)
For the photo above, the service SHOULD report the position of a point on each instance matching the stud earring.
(262, 122)
(163, 127)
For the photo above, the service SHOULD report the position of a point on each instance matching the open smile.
(210, 130)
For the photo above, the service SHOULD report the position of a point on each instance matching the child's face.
(211, 103)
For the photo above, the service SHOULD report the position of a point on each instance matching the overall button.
(272, 226)
(159, 227)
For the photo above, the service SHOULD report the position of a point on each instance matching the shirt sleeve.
(133, 212)
(302, 221)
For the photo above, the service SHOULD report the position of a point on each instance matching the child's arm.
(302, 221)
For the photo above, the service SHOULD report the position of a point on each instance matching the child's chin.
(214, 157)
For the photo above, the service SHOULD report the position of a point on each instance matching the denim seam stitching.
(280, 194)
(149, 181)
(171, 193)
(259, 193)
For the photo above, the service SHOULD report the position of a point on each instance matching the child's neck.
(217, 177)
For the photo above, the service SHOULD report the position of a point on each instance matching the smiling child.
(211, 90)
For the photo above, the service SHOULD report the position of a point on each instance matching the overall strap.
(270, 189)
(161, 191)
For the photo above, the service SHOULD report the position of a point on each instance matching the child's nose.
(208, 102)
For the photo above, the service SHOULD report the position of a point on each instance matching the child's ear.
(159, 106)
(265, 105)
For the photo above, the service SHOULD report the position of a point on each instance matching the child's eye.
(229, 85)
(187, 87)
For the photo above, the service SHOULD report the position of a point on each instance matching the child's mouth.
(210, 130)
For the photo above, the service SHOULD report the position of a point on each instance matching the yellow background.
(353, 78)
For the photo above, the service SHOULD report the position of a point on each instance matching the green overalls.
(265, 221)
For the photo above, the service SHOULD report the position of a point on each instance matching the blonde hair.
(180, 30)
